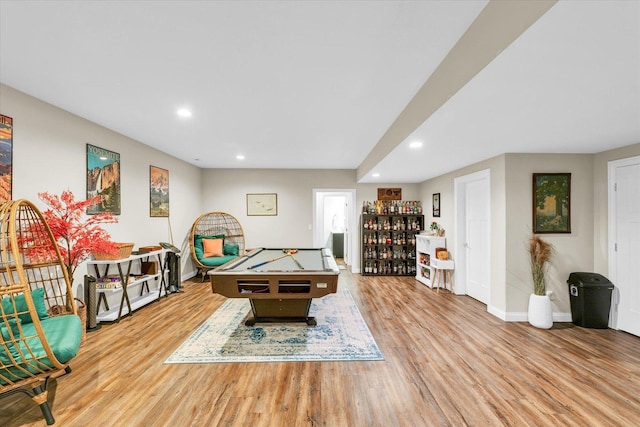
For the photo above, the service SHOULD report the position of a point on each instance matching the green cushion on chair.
(21, 306)
(63, 334)
(231, 249)
(14, 322)
(197, 244)
(216, 261)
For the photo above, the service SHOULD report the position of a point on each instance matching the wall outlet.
(551, 295)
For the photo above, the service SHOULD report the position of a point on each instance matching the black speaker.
(90, 297)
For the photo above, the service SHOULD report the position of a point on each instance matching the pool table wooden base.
(278, 310)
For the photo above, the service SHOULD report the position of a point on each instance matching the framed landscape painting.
(6, 158)
(158, 192)
(103, 179)
(551, 203)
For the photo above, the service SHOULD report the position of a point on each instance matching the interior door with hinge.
(626, 244)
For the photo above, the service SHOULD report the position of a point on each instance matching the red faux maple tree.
(78, 235)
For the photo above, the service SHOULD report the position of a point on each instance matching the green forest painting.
(551, 203)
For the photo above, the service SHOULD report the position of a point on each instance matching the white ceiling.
(316, 84)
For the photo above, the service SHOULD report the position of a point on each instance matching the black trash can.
(590, 296)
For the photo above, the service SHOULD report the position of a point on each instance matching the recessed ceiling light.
(415, 144)
(183, 112)
(375, 175)
(240, 157)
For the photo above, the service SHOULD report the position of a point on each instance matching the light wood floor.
(447, 363)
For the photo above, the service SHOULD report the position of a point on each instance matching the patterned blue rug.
(341, 334)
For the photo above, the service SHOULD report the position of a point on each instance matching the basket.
(82, 313)
(441, 253)
(149, 248)
(124, 251)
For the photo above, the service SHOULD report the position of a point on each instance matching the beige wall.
(226, 190)
(49, 154)
(573, 251)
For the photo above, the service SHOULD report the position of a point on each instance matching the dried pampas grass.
(540, 252)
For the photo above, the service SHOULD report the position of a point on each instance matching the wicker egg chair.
(215, 224)
(40, 331)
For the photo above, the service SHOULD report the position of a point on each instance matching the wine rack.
(389, 243)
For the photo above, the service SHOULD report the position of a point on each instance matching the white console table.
(128, 280)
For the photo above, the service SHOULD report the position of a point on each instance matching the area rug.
(341, 334)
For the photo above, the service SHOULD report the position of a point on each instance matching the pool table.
(279, 285)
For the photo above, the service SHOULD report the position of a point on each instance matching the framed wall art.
(263, 204)
(551, 203)
(435, 201)
(158, 192)
(389, 193)
(6, 158)
(103, 179)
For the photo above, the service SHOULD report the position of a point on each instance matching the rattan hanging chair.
(216, 225)
(40, 331)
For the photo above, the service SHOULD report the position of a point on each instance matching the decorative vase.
(540, 313)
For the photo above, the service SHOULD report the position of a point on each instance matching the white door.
(472, 210)
(477, 239)
(625, 252)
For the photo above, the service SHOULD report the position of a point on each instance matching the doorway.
(334, 218)
(472, 199)
(624, 243)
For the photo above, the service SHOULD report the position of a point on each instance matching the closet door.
(626, 243)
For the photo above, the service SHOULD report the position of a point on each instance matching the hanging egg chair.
(40, 331)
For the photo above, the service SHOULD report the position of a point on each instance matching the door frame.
(460, 219)
(611, 231)
(318, 219)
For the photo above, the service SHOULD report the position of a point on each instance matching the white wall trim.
(522, 316)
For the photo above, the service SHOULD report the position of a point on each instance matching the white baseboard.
(523, 317)
(188, 276)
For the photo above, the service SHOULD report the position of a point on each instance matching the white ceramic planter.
(540, 313)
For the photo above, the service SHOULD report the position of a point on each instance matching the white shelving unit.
(425, 253)
(124, 269)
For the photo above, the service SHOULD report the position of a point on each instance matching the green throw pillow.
(13, 324)
(231, 249)
(197, 243)
(21, 305)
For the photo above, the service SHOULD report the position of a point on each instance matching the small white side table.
(442, 266)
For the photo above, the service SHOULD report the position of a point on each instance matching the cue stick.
(296, 260)
(267, 262)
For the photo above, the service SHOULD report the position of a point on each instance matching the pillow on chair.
(212, 247)
(198, 246)
(37, 296)
(231, 249)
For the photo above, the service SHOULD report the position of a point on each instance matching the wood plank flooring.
(447, 363)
